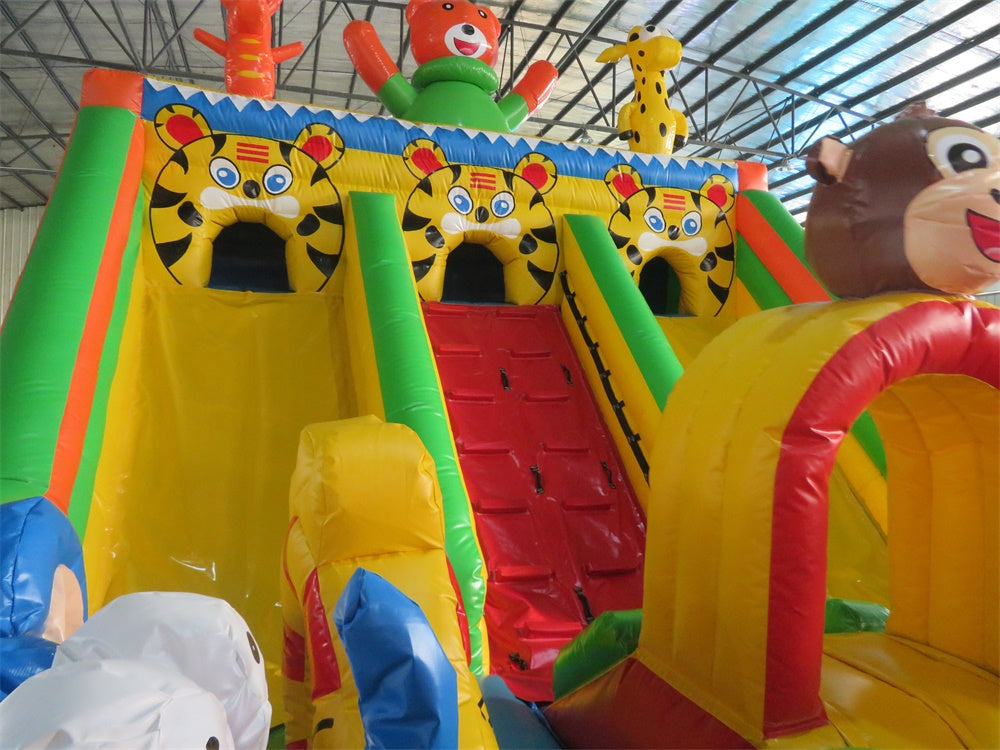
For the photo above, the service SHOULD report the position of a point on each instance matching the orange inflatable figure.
(455, 43)
(250, 58)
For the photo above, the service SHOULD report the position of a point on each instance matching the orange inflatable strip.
(784, 265)
(73, 428)
(112, 88)
(752, 175)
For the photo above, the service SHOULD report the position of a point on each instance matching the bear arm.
(514, 110)
(397, 95)
(369, 57)
(537, 84)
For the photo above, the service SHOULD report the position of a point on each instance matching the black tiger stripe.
(619, 240)
(413, 222)
(171, 252)
(709, 262)
(434, 237)
(542, 278)
(163, 198)
(308, 225)
(325, 262)
(331, 213)
(421, 267)
(546, 233)
(633, 254)
(190, 215)
(218, 141)
(721, 292)
(181, 160)
(527, 245)
(726, 252)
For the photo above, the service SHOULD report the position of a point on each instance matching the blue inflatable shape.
(407, 688)
(516, 724)
(40, 560)
(21, 657)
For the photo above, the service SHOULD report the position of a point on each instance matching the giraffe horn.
(612, 54)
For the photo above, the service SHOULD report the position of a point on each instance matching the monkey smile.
(985, 233)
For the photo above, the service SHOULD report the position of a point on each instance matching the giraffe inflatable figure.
(647, 122)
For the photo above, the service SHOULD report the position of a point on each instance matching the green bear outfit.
(454, 91)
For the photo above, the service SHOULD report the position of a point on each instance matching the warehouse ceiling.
(759, 80)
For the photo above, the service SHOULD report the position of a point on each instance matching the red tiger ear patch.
(426, 160)
(624, 184)
(318, 147)
(717, 194)
(536, 175)
(183, 129)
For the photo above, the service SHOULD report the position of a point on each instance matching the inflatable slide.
(258, 346)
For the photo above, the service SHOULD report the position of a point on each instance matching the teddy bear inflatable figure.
(455, 44)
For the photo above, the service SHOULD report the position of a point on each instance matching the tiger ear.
(539, 170)
(423, 156)
(719, 190)
(322, 143)
(179, 124)
(623, 181)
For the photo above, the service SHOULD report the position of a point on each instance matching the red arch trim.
(936, 336)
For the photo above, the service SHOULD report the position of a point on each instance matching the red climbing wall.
(560, 527)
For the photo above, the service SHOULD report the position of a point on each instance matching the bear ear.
(537, 169)
(623, 181)
(414, 5)
(827, 160)
(423, 156)
(179, 124)
(719, 190)
(322, 143)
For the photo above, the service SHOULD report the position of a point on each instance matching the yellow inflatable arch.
(736, 581)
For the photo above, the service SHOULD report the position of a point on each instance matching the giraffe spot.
(663, 129)
(659, 88)
(642, 108)
(633, 37)
(642, 53)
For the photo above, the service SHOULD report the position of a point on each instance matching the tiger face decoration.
(688, 229)
(214, 181)
(502, 210)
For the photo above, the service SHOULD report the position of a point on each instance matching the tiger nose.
(482, 214)
(673, 232)
(251, 188)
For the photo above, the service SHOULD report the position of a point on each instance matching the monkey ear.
(827, 160)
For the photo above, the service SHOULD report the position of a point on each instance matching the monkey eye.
(958, 149)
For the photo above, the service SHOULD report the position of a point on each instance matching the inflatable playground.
(494, 441)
